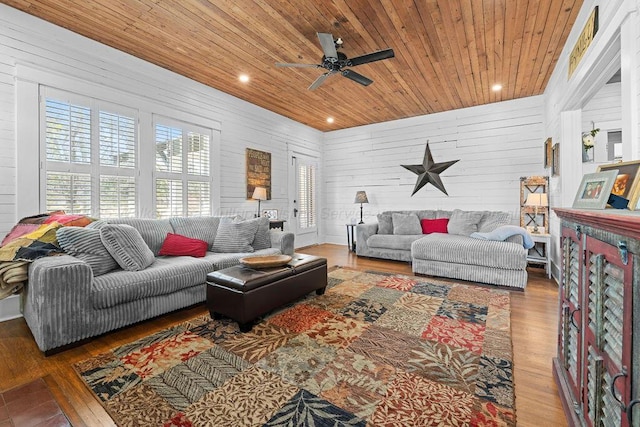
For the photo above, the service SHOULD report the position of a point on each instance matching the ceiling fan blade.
(320, 80)
(288, 64)
(371, 57)
(328, 45)
(356, 77)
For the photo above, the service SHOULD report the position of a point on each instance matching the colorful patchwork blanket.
(31, 238)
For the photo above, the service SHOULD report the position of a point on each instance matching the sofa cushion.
(84, 243)
(385, 224)
(438, 225)
(153, 231)
(457, 249)
(126, 246)
(464, 223)
(385, 241)
(202, 228)
(235, 236)
(492, 220)
(178, 245)
(406, 223)
(165, 276)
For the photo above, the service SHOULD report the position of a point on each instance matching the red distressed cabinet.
(597, 366)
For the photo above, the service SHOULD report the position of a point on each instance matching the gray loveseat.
(65, 302)
(452, 253)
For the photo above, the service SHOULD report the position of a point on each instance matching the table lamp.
(536, 200)
(260, 193)
(361, 197)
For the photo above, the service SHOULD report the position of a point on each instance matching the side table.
(277, 223)
(351, 241)
(539, 254)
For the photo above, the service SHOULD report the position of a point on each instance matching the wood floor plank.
(533, 323)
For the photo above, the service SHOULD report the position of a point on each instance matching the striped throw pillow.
(263, 235)
(126, 246)
(84, 243)
(235, 236)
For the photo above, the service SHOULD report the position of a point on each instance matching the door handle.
(295, 212)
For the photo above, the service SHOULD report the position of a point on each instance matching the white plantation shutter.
(117, 196)
(169, 198)
(306, 196)
(183, 166)
(90, 151)
(69, 192)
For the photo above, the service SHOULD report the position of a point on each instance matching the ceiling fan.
(335, 62)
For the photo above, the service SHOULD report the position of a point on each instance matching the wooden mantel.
(617, 221)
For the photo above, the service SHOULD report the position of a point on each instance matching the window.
(306, 195)
(90, 155)
(183, 179)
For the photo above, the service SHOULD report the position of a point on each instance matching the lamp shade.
(260, 193)
(537, 199)
(361, 197)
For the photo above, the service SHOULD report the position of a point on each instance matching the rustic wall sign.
(584, 40)
(258, 171)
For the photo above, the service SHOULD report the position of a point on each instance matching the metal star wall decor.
(429, 171)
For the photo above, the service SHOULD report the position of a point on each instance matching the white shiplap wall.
(496, 145)
(28, 42)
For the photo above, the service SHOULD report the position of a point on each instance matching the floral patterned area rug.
(375, 350)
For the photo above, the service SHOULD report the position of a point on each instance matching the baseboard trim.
(10, 308)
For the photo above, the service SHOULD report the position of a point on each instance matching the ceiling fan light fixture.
(330, 120)
(243, 78)
(496, 87)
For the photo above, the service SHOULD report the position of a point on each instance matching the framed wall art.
(548, 153)
(258, 171)
(555, 159)
(627, 182)
(594, 190)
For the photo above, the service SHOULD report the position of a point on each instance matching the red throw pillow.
(438, 225)
(177, 245)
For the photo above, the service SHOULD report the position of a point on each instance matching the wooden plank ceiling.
(448, 53)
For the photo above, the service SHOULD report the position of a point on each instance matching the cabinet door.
(607, 333)
(570, 338)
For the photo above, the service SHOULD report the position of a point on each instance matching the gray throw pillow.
(463, 223)
(385, 224)
(126, 246)
(263, 235)
(406, 224)
(492, 220)
(84, 243)
(235, 236)
(203, 228)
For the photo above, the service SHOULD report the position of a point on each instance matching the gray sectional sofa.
(453, 253)
(65, 302)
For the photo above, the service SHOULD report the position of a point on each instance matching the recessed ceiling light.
(330, 120)
(243, 78)
(496, 87)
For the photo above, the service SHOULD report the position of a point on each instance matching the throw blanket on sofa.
(504, 232)
(31, 238)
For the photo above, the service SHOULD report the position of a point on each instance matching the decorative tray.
(265, 261)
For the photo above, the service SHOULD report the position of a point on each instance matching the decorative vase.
(587, 154)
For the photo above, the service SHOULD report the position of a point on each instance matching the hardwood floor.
(534, 320)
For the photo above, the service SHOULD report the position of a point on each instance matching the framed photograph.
(555, 160)
(270, 213)
(627, 183)
(548, 153)
(594, 190)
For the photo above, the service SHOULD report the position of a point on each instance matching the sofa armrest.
(283, 240)
(57, 300)
(363, 232)
(515, 239)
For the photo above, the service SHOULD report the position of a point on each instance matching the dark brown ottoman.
(244, 294)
